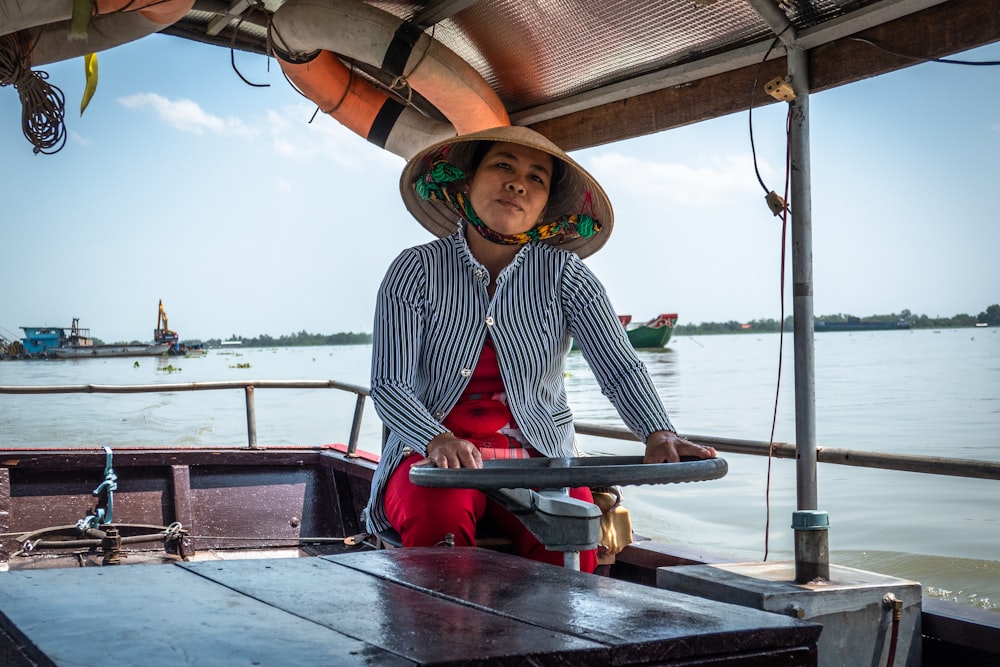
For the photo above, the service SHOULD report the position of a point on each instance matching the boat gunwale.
(930, 465)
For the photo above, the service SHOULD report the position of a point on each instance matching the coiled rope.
(43, 105)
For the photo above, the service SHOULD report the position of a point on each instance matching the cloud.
(294, 133)
(186, 115)
(675, 183)
(293, 136)
(78, 138)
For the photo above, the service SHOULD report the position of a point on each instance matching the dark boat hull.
(857, 325)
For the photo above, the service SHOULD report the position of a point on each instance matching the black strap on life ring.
(400, 48)
(385, 120)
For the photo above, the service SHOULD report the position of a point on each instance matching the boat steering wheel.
(560, 522)
(552, 473)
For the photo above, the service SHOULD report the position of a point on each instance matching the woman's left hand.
(668, 447)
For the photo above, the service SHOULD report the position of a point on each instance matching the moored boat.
(652, 334)
(75, 342)
(649, 335)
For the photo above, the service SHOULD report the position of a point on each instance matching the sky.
(181, 182)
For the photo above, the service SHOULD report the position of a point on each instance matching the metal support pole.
(811, 553)
(359, 410)
(251, 418)
(802, 283)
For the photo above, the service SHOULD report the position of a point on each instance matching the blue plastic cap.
(810, 520)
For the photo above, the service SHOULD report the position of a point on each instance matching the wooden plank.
(162, 615)
(637, 623)
(699, 100)
(93, 459)
(939, 31)
(406, 606)
(420, 626)
(180, 478)
(962, 625)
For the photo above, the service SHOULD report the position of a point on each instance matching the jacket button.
(489, 320)
(466, 372)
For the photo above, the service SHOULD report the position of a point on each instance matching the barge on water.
(75, 342)
(857, 324)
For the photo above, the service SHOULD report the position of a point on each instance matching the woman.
(472, 331)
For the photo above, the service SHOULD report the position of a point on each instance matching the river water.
(933, 393)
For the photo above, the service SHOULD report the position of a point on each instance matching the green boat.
(652, 334)
(649, 335)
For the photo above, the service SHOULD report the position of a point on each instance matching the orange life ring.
(364, 109)
(115, 22)
(307, 35)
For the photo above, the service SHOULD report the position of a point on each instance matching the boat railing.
(931, 465)
(248, 387)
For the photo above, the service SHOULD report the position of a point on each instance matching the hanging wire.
(254, 6)
(756, 79)
(43, 105)
(781, 329)
(945, 61)
(784, 210)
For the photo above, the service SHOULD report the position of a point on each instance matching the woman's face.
(510, 188)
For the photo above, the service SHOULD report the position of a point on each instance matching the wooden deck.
(393, 607)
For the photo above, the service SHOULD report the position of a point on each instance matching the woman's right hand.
(449, 451)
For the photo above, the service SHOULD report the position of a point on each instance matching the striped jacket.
(432, 317)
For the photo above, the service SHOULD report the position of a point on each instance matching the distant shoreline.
(680, 330)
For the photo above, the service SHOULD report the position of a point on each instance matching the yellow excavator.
(162, 333)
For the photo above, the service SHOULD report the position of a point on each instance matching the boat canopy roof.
(591, 73)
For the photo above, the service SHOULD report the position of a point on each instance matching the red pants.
(423, 515)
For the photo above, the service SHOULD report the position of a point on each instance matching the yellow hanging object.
(90, 68)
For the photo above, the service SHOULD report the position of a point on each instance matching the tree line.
(302, 338)
(989, 317)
